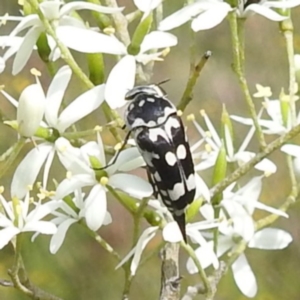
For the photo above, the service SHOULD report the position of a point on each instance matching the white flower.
(238, 224)
(70, 30)
(263, 8)
(83, 105)
(209, 156)
(122, 76)
(171, 233)
(276, 124)
(210, 13)
(93, 209)
(31, 108)
(137, 251)
(77, 161)
(17, 217)
(204, 15)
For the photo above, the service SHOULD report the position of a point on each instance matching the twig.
(170, 278)
(195, 71)
(266, 221)
(105, 245)
(20, 280)
(193, 291)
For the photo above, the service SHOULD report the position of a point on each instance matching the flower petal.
(244, 277)
(95, 207)
(27, 171)
(89, 41)
(81, 107)
(27, 21)
(71, 157)
(78, 5)
(290, 149)
(12, 100)
(55, 94)
(267, 166)
(42, 210)
(181, 16)
(212, 17)
(25, 49)
(58, 238)
(69, 185)
(44, 227)
(245, 121)
(123, 77)
(271, 210)
(157, 40)
(282, 4)
(132, 185)
(144, 239)
(201, 188)
(47, 167)
(171, 233)
(2, 64)
(205, 255)
(6, 234)
(146, 5)
(50, 9)
(271, 239)
(129, 159)
(265, 11)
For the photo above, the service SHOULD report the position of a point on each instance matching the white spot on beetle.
(181, 152)
(190, 182)
(148, 158)
(151, 99)
(170, 158)
(141, 103)
(164, 193)
(151, 123)
(171, 123)
(155, 132)
(157, 176)
(178, 213)
(167, 202)
(177, 191)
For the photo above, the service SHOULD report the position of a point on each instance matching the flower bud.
(30, 110)
(227, 132)
(142, 29)
(219, 172)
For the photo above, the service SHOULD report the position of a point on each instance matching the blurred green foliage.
(82, 269)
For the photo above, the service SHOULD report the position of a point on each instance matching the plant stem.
(195, 71)
(204, 278)
(238, 67)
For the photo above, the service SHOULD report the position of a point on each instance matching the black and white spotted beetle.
(161, 140)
